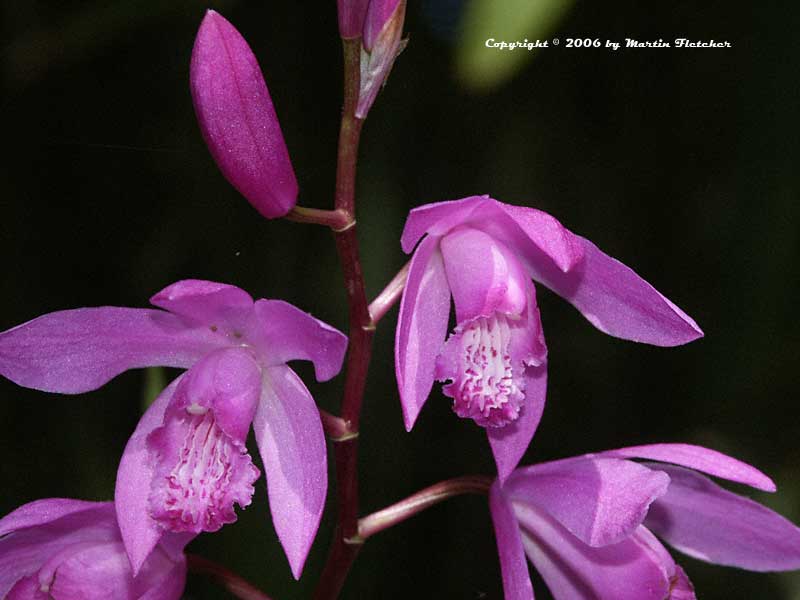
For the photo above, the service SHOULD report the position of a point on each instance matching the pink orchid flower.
(72, 550)
(186, 464)
(484, 253)
(587, 523)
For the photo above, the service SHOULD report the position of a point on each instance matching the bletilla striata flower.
(484, 253)
(186, 464)
(238, 120)
(72, 550)
(587, 523)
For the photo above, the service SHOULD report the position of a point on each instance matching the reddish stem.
(422, 500)
(343, 552)
(389, 296)
(226, 578)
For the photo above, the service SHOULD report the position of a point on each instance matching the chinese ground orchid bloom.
(238, 120)
(64, 549)
(186, 464)
(484, 254)
(587, 523)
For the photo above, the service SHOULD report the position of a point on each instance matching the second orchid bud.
(381, 43)
(238, 120)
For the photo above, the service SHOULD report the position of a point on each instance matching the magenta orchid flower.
(72, 550)
(587, 523)
(238, 120)
(484, 253)
(186, 464)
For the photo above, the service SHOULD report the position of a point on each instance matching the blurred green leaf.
(482, 68)
(155, 380)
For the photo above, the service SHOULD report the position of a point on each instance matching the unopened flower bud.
(351, 17)
(238, 120)
(381, 44)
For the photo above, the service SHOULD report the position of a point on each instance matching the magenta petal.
(700, 459)
(32, 544)
(351, 17)
(628, 570)
(617, 301)
(681, 587)
(44, 511)
(171, 585)
(74, 351)
(238, 120)
(438, 218)
(484, 276)
(514, 568)
(287, 333)
(378, 15)
(421, 328)
(97, 572)
(140, 533)
(208, 302)
(599, 500)
(698, 517)
(292, 445)
(510, 442)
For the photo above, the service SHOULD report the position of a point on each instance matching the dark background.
(682, 163)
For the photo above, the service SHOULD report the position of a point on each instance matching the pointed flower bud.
(383, 29)
(351, 17)
(238, 120)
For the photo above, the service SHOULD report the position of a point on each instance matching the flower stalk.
(226, 578)
(422, 500)
(390, 295)
(343, 552)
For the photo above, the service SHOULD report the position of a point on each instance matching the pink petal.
(421, 328)
(351, 17)
(207, 302)
(599, 500)
(484, 276)
(140, 533)
(698, 458)
(292, 445)
(681, 588)
(74, 351)
(378, 15)
(701, 519)
(98, 572)
(532, 233)
(617, 301)
(514, 568)
(510, 442)
(628, 570)
(44, 511)
(287, 333)
(171, 585)
(33, 544)
(237, 118)
(202, 468)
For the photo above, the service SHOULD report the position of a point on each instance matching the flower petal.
(74, 351)
(484, 276)
(514, 568)
(32, 544)
(700, 459)
(628, 570)
(510, 442)
(171, 585)
(681, 588)
(238, 120)
(535, 234)
(617, 301)
(140, 533)
(287, 333)
(207, 302)
(202, 467)
(292, 445)
(421, 328)
(43, 511)
(698, 517)
(599, 500)
(96, 572)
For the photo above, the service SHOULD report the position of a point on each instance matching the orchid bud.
(381, 44)
(237, 118)
(351, 17)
